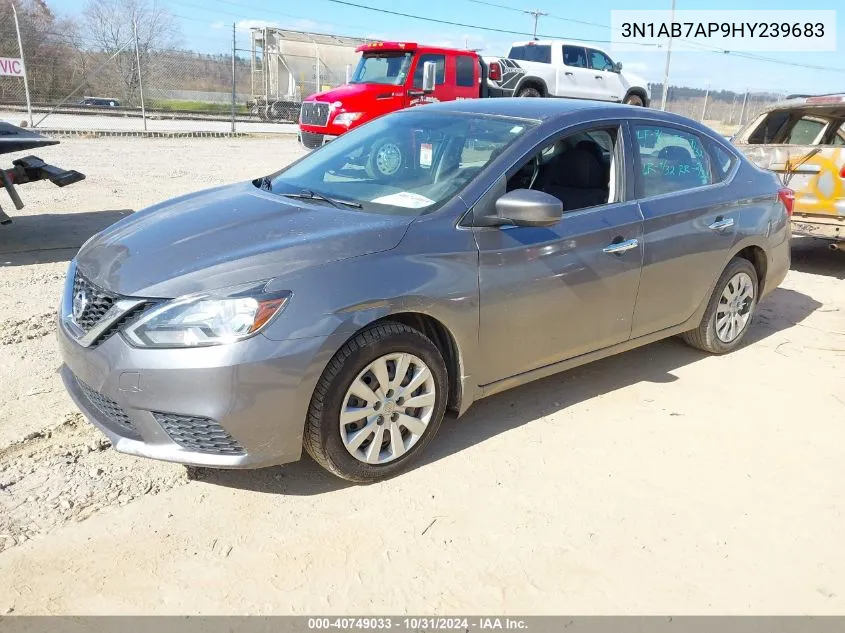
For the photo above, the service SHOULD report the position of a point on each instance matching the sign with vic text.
(11, 67)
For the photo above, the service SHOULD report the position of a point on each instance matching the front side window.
(599, 61)
(670, 160)
(439, 75)
(382, 68)
(575, 56)
(407, 163)
(578, 169)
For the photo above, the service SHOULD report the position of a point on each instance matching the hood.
(633, 80)
(351, 93)
(227, 236)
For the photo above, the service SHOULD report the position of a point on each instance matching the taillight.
(842, 172)
(495, 71)
(787, 196)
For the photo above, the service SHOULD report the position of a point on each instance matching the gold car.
(802, 139)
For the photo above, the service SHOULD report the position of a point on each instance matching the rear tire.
(724, 324)
(529, 91)
(333, 445)
(634, 100)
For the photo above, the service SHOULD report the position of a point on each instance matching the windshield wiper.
(307, 194)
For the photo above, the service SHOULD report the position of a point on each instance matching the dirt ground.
(659, 481)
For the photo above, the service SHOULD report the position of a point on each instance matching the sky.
(206, 26)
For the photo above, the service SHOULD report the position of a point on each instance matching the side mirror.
(429, 76)
(527, 207)
(617, 67)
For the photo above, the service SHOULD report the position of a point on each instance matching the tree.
(110, 26)
(49, 48)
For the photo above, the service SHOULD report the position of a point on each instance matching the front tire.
(729, 313)
(378, 404)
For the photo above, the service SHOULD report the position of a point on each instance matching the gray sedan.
(414, 265)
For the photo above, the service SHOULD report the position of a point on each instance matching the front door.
(442, 90)
(607, 81)
(552, 293)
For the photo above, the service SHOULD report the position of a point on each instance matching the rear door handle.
(721, 224)
(599, 77)
(620, 247)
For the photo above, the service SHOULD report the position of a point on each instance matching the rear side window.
(805, 131)
(768, 129)
(575, 56)
(723, 162)
(439, 75)
(532, 53)
(839, 135)
(465, 70)
(670, 160)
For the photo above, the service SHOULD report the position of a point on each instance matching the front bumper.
(312, 140)
(231, 406)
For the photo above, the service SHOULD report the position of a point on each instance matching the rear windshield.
(800, 126)
(532, 53)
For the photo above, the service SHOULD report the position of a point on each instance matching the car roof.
(548, 109)
(558, 43)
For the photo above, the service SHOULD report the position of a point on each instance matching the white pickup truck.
(558, 68)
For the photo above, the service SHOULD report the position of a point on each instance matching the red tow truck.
(389, 77)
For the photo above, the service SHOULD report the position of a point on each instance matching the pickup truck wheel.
(529, 91)
(634, 100)
(729, 313)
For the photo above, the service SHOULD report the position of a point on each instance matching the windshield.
(382, 68)
(406, 163)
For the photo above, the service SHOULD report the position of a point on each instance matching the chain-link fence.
(255, 83)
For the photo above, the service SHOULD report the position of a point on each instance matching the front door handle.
(568, 73)
(721, 224)
(599, 77)
(618, 248)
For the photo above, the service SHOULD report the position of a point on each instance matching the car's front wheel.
(729, 313)
(378, 404)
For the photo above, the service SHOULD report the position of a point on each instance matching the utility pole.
(668, 57)
(140, 79)
(536, 13)
(234, 46)
(23, 61)
(704, 107)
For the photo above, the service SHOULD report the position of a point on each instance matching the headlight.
(203, 320)
(347, 118)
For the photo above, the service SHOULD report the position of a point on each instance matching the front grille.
(310, 140)
(198, 434)
(123, 321)
(98, 302)
(314, 113)
(109, 409)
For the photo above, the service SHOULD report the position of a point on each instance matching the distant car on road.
(425, 260)
(100, 102)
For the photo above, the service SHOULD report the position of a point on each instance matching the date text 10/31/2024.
(417, 623)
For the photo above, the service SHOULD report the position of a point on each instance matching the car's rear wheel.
(529, 91)
(378, 404)
(729, 313)
(634, 100)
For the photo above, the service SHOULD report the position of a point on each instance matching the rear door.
(467, 76)
(607, 82)
(689, 221)
(574, 77)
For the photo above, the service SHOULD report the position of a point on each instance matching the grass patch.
(196, 106)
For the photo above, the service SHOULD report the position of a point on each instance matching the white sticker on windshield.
(516, 129)
(425, 155)
(406, 199)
